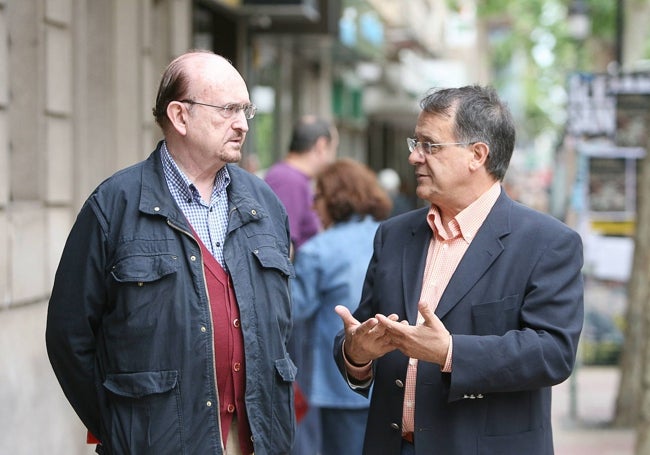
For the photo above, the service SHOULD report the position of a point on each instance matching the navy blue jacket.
(129, 332)
(514, 308)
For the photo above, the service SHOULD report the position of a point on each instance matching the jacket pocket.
(534, 441)
(144, 412)
(272, 258)
(497, 317)
(284, 417)
(142, 269)
(143, 291)
(286, 369)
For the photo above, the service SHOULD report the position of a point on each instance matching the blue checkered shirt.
(209, 220)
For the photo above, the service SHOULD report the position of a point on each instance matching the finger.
(431, 320)
(345, 315)
(386, 320)
(392, 327)
(427, 314)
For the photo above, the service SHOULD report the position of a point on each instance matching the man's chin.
(232, 156)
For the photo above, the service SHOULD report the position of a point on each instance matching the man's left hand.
(428, 341)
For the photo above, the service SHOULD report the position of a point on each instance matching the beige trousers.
(232, 444)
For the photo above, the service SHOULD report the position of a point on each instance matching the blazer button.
(394, 426)
(399, 383)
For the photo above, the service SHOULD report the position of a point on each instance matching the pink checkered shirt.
(447, 247)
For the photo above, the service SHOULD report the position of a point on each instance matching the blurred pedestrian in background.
(472, 307)
(390, 180)
(314, 143)
(170, 312)
(330, 268)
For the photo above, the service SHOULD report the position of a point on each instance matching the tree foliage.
(532, 53)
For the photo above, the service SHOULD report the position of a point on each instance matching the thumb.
(345, 315)
(426, 312)
(430, 318)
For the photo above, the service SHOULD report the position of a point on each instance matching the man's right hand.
(365, 341)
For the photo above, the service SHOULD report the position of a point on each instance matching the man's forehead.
(429, 123)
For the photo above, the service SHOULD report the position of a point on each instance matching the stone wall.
(77, 83)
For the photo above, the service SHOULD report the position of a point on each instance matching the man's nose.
(240, 122)
(415, 157)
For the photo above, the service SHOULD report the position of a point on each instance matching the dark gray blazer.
(514, 307)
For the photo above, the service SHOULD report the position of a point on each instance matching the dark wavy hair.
(479, 116)
(351, 188)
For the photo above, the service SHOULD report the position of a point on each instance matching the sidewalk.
(595, 399)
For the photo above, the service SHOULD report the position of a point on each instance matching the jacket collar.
(244, 207)
(155, 198)
(414, 257)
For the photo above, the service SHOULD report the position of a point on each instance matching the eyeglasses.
(230, 109)
(429, 148)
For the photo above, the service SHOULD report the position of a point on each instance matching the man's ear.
(323, 147)
(178, 114)
(480, 152)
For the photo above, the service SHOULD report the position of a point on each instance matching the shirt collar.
(183, 184)
(468, 221)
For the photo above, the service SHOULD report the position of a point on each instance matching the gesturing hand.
(364, 342)
(428, 341)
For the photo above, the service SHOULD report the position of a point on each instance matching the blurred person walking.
(390, 180)
(314, 144)
(330, 268)
(170, 312)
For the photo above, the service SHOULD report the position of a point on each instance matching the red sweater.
(228, 350)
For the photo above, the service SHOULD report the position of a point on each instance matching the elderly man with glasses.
(472, 306)
(170, 312)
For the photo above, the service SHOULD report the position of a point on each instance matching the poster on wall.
(611, 173)
(607, 186)
(632, 120)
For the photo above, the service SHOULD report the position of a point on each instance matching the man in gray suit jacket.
(472, 307)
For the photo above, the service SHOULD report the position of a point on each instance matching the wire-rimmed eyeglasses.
(429, 148)
(229, 109)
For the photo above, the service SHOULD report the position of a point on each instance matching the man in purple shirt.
(313, 146)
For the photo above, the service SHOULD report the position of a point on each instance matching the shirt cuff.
(447, 366)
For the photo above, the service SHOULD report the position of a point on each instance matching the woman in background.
(330, 270)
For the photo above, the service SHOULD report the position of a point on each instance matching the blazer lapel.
(482, 252)
(414, 258)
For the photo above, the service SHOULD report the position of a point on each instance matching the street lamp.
(579, 23)
(579, 26)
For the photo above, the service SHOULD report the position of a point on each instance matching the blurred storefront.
(595, 191)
